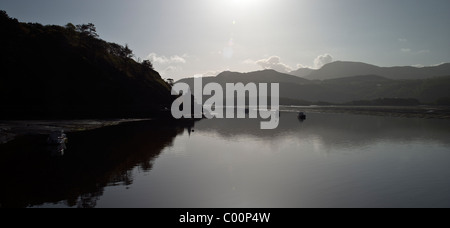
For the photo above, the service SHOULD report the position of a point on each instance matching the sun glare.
(245, 4)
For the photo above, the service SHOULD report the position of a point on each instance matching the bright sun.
(244, 3)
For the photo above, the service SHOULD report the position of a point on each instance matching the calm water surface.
(330, 160)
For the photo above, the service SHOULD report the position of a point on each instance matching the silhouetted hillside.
(68, 72)
(294, 90)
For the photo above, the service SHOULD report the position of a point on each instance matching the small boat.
(301, 116)
(57, 138)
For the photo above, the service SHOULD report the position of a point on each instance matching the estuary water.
(329, 160)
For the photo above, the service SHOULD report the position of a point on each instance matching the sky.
(185, 38)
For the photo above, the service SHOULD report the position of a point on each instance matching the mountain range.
(347, 82)
(340, 69)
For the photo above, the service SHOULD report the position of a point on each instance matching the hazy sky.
(196, 37)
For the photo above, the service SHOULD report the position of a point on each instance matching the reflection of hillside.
(334, 130)
(94, 159)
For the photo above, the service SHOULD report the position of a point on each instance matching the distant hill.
(341, 69)
(295, 90)
(68, 72)
(302, 72)
(265, 76)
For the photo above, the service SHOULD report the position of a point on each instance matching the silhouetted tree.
(71, 27)
(114, 49)
(127, 52)
(120, 51)
(170, 81)
(3, 14)
(87, 30)
(147, 64)
(4, 18)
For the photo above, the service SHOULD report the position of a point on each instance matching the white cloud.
(170, 69)
(171, 66)
(438, 64)
(249, 61)
(161, 59)
(403, 40)
(423, 51)
(408, 50)
(177, 59)
(405, 50)
(433, 65)
(299, 66)
(322, 60)
(274, 63)
(211, 73)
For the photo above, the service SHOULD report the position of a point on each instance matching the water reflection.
(232, 163)
(335, 130)
(32, 175)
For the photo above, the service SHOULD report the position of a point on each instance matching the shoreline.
(9, 130)
(423, 112)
